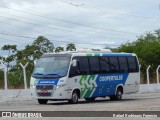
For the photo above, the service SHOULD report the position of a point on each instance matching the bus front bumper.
(49, 92)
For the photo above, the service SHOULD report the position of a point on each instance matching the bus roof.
(88, 54)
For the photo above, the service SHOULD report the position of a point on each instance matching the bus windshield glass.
(55, 66)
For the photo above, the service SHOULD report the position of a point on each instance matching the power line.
(58, 36)
(61, 20)
(17, 41)
(20, 36)
(41, 25)
(93, 7)
(26, 22)
(71, 3)
(131, 15)
(35, 24)
(52, 23)
(89, 43)
(16, 35)
(60, 29)
(31, 29)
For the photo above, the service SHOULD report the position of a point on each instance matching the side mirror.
(74, 63)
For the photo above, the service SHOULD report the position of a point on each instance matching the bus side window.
(94, 65)
(132, 63)
(104, 65)
(84, 65)
(123, 64)
(74, 71)
(114, 64)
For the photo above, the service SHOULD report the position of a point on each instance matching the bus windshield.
(55, 66)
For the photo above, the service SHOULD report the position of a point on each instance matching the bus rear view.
(73, 76)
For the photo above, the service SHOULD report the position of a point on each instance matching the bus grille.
(44, 87)
(44, 94)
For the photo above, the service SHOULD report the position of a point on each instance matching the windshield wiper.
(53, 74)
(38, 74)
(49, 75)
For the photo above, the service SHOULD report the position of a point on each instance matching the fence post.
(35, 62)
(157, 71)
(5, 74)
(140, 72)
(147, 71)
(24, 74)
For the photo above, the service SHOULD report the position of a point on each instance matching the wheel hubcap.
(119, 94)
(74, 98)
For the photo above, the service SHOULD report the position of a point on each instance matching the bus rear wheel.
(42, 101)
(118, 95)
(74, 98)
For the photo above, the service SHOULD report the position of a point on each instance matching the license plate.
(44, 91)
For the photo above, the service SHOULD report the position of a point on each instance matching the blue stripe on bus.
(107, 83)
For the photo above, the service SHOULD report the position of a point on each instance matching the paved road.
(131, 102)
(147, 101)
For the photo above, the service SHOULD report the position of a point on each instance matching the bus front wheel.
(42, 101)
(74, 98)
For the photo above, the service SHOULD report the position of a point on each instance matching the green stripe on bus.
(88, 93)
(91, 78)
(96, 54)
(84, 77)
(89, 54)
(82, 91)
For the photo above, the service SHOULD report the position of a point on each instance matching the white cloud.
(111, 15)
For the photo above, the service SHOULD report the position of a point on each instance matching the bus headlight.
(58, 86)
(32, 86)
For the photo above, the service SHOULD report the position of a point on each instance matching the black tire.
(118, 95)
(112, 98)
(90, 99)
(42, 101)
(74, 98)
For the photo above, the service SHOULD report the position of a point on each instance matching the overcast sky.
(87, 23)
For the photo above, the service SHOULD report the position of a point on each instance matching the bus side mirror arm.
(74, 63)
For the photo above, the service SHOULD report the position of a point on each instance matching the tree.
(11, 54)
(11, 50)
(59, 49)
(146, 47)
(41, 45)
(157, 32)
(2, 58)
(33, 52)
(28, 54)
(71, 47)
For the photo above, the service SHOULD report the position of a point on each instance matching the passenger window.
(132, 63)
(94, 65)
(105, 66)
(83, 65)
(123, 64)
(114, 64)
